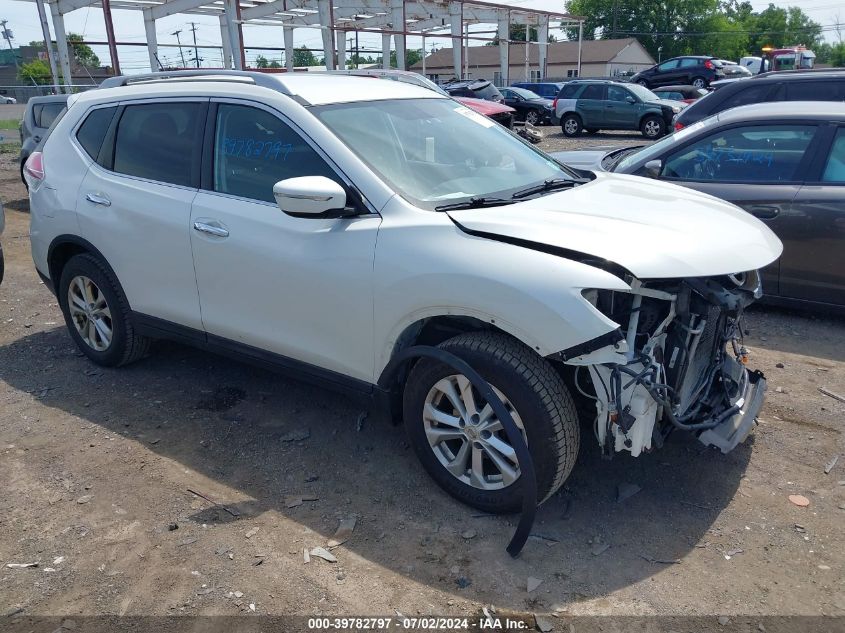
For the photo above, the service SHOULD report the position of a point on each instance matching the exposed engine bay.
(676, 362)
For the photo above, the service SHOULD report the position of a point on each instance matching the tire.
(2, 264)
(699, 82)
(532, 117)
(571, 125)
(653, 127)
(124, 345)
(23, 178)
(643, 83)
(532, 390)
(593, 130)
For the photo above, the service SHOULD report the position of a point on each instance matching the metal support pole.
(288, 35)
(48, 41)
(456, 24)
(115, 62)
(525, 47)
(423, 55)
(466, 50)
(231, 17)
(327, 23)
(385, 50)
(580, 42)
(504, 34)
(340, 43)
(152, 41)
(397, 17)
(61, 45)
(240, 29)
(543, 45)
(225, 43)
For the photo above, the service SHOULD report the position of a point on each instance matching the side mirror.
(630, 99)
(310, 197)
(652, 168)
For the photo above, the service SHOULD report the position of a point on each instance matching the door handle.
(763, 211)
(98, 198)
(216, 231)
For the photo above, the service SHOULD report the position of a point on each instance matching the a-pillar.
(152, 42)
(456, 20)
(340, 43)
(326, 24)
(385, 50)
(288, 35)
(397, 17)
(543, 44)
(504, 43)
(61, 44)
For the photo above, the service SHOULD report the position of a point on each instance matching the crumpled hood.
(651, 228)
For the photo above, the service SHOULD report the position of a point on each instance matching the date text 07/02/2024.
(421, 623)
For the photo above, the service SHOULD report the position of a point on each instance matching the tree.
(516, 33)
(37, 71)
(412, 56)
(261, 62)
(303, 57)
(82, 54)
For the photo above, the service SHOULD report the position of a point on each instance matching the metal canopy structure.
(395, 20)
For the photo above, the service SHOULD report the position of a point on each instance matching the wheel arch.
(63, 248)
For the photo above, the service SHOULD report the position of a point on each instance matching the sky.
(22, 19)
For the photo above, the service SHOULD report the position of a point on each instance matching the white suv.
(322, 224)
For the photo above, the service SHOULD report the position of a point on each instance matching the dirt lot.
(97, 468)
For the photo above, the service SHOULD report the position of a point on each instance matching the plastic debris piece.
(321, 552)
(533, 583)
(21, 565)
(626, 491)
(800, 500)
(343, 533)
(543, 624)
(251, 532)
(831, 464)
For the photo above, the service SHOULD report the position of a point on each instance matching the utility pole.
(8, 35)
(178, 41)
(196, 53)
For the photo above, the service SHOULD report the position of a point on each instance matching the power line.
(181, 54)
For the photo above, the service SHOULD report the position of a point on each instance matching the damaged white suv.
(322, 224)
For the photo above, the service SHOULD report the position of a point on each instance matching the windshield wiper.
(550, 185)
(474, 203)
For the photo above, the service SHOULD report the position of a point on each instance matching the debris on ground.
(172, 526)
(21, 565)
(297, 500)
(239, 594)
(600, 548)
(832, 394)
(626, 491)
(359, 425)
(831, 464)
(188, 541)
(234, 513)
(800, 500)
(58, 560)
(463, 582)
(724, 620)
(321, 552)
(661, 561)
(306, 556)
(343, 532)
(252, 532)
(84, 499)
(297, 435)
(468, 534)
(732, 552)
(532, 583)
(543, 624)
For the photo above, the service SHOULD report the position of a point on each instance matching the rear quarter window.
(93, 130)
(569, 91)
(828, 90)
(43, 114)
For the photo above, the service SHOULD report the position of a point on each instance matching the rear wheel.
(571, 125)
(653, 127)
(699, 82)
(462, 444)
(643, 83)
(97, 314)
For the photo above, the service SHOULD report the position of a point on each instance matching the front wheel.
(571, 125)
(643, 83)
(653, 127)
(532, 117)
(699, 82)
(462, 444)
(96, 313)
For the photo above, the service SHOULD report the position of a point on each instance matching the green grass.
(9, 124)
(10, 148)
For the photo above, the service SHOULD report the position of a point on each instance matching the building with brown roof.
(599, 58)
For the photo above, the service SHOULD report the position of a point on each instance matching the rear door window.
(160, 141)
(569, 91)
(747, 96)
(593, 91)
(758, 153)
(93, 130)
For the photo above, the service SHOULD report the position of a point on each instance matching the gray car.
(784, 163)
(37, 119)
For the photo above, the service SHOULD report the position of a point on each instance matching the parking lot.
(188, 484)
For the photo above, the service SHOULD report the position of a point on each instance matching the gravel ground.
(107, 476)
(555, 141)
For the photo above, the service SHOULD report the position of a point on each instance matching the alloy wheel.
(467, 438)
(90, 313)
(571, 126)
(532, 117)
(652, 128)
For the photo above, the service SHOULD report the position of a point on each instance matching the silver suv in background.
(37, 119)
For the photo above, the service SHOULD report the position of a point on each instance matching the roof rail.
(259, 79)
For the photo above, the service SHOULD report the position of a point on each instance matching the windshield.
(525, 94)
(435, 150)
(642, 93)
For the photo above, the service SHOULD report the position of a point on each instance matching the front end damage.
(675, 362)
